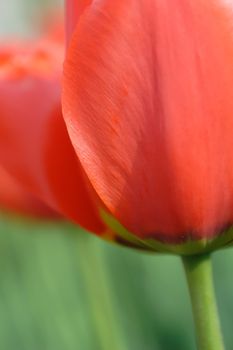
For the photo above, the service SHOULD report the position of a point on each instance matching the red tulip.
(148, 103)
(14, 198)
(34, 145)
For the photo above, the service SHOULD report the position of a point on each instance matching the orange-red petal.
(148, 102)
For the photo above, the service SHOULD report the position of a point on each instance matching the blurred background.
(63, 289)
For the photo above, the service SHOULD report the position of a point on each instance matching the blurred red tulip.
(148, 103)
(34, 145)
(52, 26)
(13, 198)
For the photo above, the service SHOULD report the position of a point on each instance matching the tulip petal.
(34, 144)
(148, 102)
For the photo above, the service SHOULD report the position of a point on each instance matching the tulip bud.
(148, 103)
(35, 148)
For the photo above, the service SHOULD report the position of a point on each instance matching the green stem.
(198, 270)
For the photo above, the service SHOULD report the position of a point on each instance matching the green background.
(63, 289)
